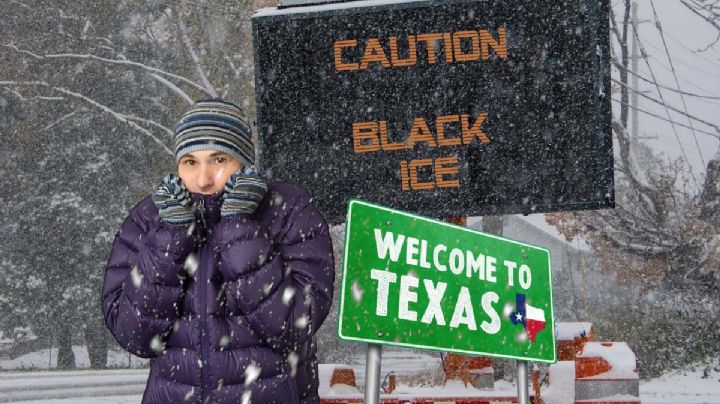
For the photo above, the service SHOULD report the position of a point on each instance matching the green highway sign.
(417, 282)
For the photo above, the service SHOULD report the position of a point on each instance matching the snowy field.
(125, 386)
(47, 359)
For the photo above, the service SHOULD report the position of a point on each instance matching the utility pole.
(634, 133)
(634, 125)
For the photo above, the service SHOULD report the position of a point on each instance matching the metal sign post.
(522, 382)
(372, 374)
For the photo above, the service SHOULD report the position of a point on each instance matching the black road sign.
(444, 108)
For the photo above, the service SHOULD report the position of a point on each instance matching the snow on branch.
(173, 88)
(21, 4)
(235, 69)
(151, 122)
(623, 141)
(196, 60)
(156, 71)
(119, 116)
(62, 118)
(116, 115)
(17, 94)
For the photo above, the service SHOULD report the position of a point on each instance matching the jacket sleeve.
(283, 286)
(142, 287)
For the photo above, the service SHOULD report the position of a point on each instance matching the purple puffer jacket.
(225, 308)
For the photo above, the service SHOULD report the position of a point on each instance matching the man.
(219, 278)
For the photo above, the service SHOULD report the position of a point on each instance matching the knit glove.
(243, 192)
(173, 201)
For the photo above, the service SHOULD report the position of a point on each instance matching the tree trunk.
(66, 357)
(710, 196)
(97, 344)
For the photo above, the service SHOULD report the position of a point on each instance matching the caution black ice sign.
(438, 107)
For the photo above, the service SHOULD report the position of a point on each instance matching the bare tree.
(89, 93)
(662, 237)
(660, 224)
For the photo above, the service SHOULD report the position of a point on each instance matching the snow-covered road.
(700, 385)
(108, 386)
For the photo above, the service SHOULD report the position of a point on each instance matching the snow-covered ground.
(73, 386)
(684, 386)
(47, 359)
(695, 385)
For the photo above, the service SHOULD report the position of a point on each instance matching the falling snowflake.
(293, 359)
(507, 309)
(157, 344)
(191, 264)
(190, 229)
(252, 372)
(224, 341)
(261, 258)
(267, 288)
(190, 394)
(301, 322)
(357, 292)
(135, 276)
(288, 294)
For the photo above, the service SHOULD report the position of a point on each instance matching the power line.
(689, 94)
(668, 143)
(710, 19)
(689, 82)
(697, 52)
(677, 82)
(685, 113)
(643, 52)
(716, 135)
(689, 65)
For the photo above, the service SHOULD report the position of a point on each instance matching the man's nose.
(206, 177)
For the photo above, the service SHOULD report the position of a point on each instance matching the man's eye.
(189, 162)
(221, 160)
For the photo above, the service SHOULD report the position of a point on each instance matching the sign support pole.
(522, 382)
(372, 374)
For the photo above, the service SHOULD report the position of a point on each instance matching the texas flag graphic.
(532, 318)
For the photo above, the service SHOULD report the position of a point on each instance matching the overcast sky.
(698, 72)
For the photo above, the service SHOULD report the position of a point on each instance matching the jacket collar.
(211, 206)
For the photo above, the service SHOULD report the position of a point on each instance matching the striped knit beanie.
(217, 125)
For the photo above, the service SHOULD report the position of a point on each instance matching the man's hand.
(243, 192)
(173, 201)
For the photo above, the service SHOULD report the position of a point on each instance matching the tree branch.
(64, 117)
(704, 17)
(15, 93)
(196, 61)
(126, 62)
(119, 116)
(173, 88)
(153, 123)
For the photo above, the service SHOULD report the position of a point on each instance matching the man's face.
(206, 171)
